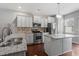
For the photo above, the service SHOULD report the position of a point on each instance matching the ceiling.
(43, 8)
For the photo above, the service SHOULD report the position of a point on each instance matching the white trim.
(76, 42)
(61, 53)
(67, 51)
(64, 52)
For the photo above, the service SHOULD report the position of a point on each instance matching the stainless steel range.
(37, 36)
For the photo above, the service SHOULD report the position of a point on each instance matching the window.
(69, 23)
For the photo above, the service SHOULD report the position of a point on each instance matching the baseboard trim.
(46, 54)
(60, 53)
(67, 51)
(75, 43)
(64, 53)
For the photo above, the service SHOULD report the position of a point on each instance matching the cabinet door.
(19, 22)
(30, 21)
(45, 22)
(47, 46)
(23, 21)
(42, 21)
(49, 19)
(26, 22)
(56, 47)
(29, 38)
(37, 19)
(67, 44)
(53, 47)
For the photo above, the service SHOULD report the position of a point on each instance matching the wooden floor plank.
(36, 49)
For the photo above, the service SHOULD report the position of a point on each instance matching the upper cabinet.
(37, 19)
(40, 20)
(51, 20)
(19, 21)
(24, 21)
(43, 22)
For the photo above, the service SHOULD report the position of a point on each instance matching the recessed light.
(19, 7)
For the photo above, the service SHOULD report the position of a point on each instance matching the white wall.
(7, 16)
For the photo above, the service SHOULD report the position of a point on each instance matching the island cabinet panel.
(57, 46)
(47, 45)
(53, 47)
(67, 45)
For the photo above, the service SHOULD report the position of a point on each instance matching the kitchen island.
(58, 44)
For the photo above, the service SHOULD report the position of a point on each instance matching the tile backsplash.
(24, 30)
(27, 29)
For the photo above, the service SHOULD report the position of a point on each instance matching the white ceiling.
(45, 8)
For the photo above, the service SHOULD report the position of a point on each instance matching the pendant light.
(58, 11)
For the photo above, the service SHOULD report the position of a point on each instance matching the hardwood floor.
(74, 52)
(75, 49)
(36, 50)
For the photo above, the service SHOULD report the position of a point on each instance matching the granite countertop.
(14, 48)
(60, 36)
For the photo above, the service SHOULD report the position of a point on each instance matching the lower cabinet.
(47, 46)
(55, 47)
(29, 38)
(67, 45)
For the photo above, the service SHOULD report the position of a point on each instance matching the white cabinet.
(41, 20)
(67, 45)
(45, 22)
(37, 19)
(19, 21)
(51, 20)
(47, 45)
(30, 21)
(24, 21)
(29, 38)
(53, 47)
(56, 47)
